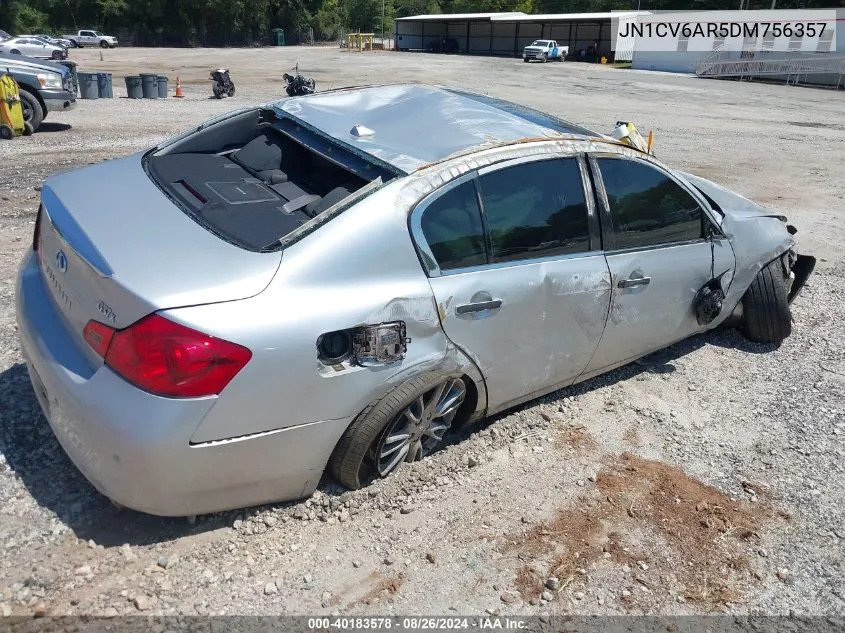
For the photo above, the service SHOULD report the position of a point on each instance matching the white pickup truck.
(90, 38)
(544, 50)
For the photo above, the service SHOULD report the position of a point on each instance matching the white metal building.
(682, 54)
(509, 33)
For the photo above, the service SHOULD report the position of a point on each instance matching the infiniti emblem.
(61, 261)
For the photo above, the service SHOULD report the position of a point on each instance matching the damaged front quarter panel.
(758, 237)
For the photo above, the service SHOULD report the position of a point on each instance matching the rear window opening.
(254, 178)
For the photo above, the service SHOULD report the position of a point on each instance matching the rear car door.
(515, 264)
(27, 47)
(661, 247)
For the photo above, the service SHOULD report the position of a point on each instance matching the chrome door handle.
(479, 307)
(634, 282)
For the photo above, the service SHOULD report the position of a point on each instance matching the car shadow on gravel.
(49, 126)
(659, 362)
(35, 456)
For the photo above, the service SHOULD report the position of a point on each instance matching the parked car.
(44, 86)
(327, 292)
(84, 38)
(55, 41)
(32, 47)
(443, 45)
(544, 50)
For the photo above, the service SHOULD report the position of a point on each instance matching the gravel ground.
(706, 478)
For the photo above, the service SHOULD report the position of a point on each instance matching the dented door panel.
(544, 331)
(648, 315)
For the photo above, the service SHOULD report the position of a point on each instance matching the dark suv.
(45, 86)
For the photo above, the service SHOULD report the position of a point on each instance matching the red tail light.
(168, 359)
(36, 236)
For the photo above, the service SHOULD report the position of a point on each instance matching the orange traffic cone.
(178, 88)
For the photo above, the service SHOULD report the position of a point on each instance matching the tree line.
(250, 22)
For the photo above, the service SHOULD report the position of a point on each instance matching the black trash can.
(133, 87)
(71, 65)
(88, 88)
(162, 87)
(104, 85)
(149, 85)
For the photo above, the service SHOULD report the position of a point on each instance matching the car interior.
(253, 179)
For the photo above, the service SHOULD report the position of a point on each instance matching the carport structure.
(507, 34)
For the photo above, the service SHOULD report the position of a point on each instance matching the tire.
(353, 461)
(33, 113)
(74, 44)
(218, 92)
(14, 51)
(6, 132)
(766, 314)
(104, 44)
(56, 55)
(525, 59)
(231, 92)
(27, 129)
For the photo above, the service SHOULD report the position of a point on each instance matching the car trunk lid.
(113, 248)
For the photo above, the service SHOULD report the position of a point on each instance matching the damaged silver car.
(334, 282)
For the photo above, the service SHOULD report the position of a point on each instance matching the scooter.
(223, 84)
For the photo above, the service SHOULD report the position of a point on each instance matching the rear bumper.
(58, 100)
(135, 448)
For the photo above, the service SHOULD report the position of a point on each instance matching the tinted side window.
(452, 228)
(535, 210)
(648, 207)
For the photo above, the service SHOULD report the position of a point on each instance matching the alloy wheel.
(420, 427)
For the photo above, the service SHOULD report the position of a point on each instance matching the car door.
(660, 252)
(23, 46)
(40, 49)
(87, 37)
(514, 259)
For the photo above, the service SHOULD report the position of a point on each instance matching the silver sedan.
(332, 283)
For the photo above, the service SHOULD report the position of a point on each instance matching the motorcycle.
(223, 84)
(297, 85)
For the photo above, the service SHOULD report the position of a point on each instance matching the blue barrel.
(88, 88)
(104, 85)
(162, 87)
(133, 87)
(149, 85)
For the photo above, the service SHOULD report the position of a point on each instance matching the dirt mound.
(671, 534)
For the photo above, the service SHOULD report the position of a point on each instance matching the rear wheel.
(15, 51)
(27, 129)
(56, 55)
(6, 132)
(33, 113)
(231, 92)
(404, 426)
(218, 91)
(75, 44)
(765, 309)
